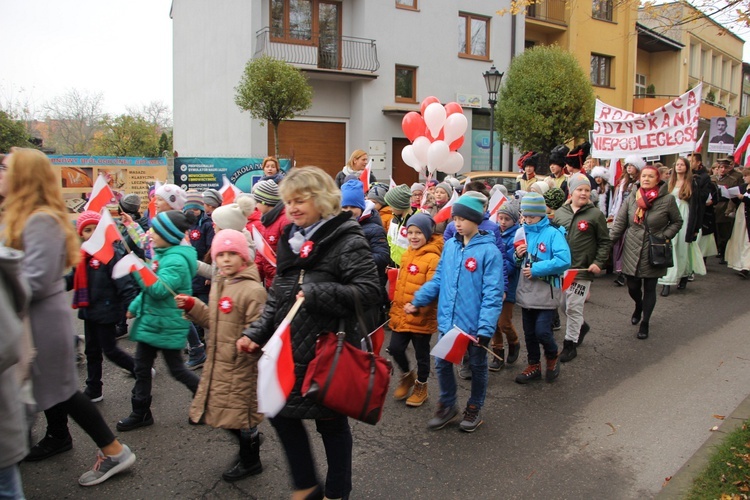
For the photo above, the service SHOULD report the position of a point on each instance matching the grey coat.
(14, 298)
(53, 372)
(663, 219)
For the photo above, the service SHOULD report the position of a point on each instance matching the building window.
(406, 84)
(601, 68)
(640, 85)
(407, 4)
(292, 20)
(602, 9)
(473, 36)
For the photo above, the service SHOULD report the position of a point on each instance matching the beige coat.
(226, 395)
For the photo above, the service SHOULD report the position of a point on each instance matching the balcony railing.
(547, 10)
(321, 51)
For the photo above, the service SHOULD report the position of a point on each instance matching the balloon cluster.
(435, 135)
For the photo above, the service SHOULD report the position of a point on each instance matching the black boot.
(569, 351)
(513, 350)
(636, 318)
(665, 291)
(620, 280)
(643, 331)
(683, 283)
(249, 460)
(497, 364)
(139, 417)
(582, 333)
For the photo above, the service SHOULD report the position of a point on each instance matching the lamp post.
(492, 80)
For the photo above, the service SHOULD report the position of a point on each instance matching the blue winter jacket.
(511, 271)
(468, 284)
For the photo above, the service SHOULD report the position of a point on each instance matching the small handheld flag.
(445, 213)
(101, 195)
(452, 346)
(100, 245)
(131, 263)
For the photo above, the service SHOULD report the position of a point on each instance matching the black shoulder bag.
(659, 249)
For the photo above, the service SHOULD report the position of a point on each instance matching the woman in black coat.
(324, 257)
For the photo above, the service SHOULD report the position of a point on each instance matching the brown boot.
(553, 368)
(419, 395)
(404, 386)
(532, 372)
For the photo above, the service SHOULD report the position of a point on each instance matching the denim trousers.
(537, 329)
(10, 483)
(145, 354)
(479, 376)
(100, 339)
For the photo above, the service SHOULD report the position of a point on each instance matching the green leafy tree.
(546, 100)
(12, 133)
(166, 143)
(273, 90)
(126, 135)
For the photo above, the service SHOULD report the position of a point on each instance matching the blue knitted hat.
(353, 194)
(532, 205)
(469, 208)
(171, 226)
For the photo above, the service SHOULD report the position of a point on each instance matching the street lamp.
(492, 80)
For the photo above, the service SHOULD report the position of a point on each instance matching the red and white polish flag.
(229, 192)
(742, 147)
(276, 367)
(364, 177)
(568, 278)
(445, 213)
(452, 346)
(392, 184)
(152, 201)
(101, 195)
(496, 201)
(131, 263)
(615, 172)
(105, 235)
(262, 247)
(699, 143)
(520, 238)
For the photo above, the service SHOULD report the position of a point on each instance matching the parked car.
(489, 177)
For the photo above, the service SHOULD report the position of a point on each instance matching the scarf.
(299, 235)
(644, 199)
(81, 282)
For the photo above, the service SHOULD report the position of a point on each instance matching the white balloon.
(437, 154)
(407, 154)
(454, 163)
(420, 147)
(434, 118)
(455, 126)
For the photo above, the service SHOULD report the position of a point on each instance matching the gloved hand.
(483, 341)
(184, 302)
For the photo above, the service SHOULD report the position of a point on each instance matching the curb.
(682, 481)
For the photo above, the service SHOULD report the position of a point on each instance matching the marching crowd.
(420, 259)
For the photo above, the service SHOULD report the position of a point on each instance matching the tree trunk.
(276, 138)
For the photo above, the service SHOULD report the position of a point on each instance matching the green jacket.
(587, 236)
(158, 321)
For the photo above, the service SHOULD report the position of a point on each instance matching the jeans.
(537, 329)
(574, 299)
(479, 378)
(337, 441)
(505, 327)
(100, 338)
(145, 354)
(10, 483)
(84, 413)
(421, 342)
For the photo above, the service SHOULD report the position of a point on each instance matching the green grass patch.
(727, 476)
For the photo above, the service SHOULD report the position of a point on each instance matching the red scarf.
(644, 198)
(81, 282)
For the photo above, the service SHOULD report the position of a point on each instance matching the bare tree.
(156, 112)
(73, 119)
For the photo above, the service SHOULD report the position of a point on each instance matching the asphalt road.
(622, 417)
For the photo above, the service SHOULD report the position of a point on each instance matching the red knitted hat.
(87, 218)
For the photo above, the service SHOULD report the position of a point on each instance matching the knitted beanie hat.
(353, 194)
(399, 197)
(554, 198)
(576, 180)
(193, 200)
(246, 201)
(173, 195)
(499, 187)
(267, 193)
(229, 240)
(229, 217)
(377, 193)
(478, 196)
(432, 183)
(445, 187)
(171, 225)
(424, 222)
(469, 208)
(87, 218)
(130, 203)
(510, 208)
(540, 187)
(417, 186)
(212, 198)
(532, 205)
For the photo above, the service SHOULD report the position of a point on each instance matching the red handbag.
(346, 379)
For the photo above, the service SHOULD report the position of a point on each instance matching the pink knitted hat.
(229, 240)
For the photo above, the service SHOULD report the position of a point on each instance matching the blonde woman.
(35, 221)
(356, 164)
(324, 256)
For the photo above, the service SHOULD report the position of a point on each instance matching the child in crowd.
(588, 239)
(273, 219)
(376, 194)
(419, 263)
(226, 396)
(399, 199)
(507, 217)
(159, 325)
(543, 259)
(135, 239)
(468, 284)
(211, 201)
(443, 193)
(417, 193)
(100, 301)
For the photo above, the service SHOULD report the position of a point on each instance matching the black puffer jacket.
(339, 265)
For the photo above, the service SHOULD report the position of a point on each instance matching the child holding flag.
(543, 257)
(419, 263)
(588, 238)
(226, 396)
(100, 300)
(468, 284)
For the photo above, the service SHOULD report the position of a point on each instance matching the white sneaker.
(107, 466)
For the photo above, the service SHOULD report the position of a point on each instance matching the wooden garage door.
(322, 144)
(402, 173)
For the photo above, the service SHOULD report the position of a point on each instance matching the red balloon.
(427, 101)
(413, 125)
(453, 107)
(440, 136)
(457, 144)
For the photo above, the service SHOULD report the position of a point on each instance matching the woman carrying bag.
(648, 209)
(324, 257)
